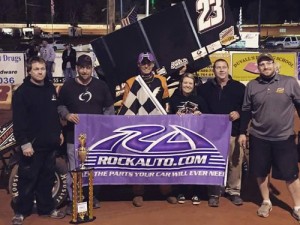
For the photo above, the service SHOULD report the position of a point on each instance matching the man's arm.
(296, 96)
(21, 124)
(51, 54)
(109, 110)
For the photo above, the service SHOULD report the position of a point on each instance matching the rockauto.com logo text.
(154, 147)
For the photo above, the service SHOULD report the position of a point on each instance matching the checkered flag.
(141, 100)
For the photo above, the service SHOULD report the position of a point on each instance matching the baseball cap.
(84, 60)
(146, 56)
(264, 56)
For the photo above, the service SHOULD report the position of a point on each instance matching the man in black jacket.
(69, 62)
(224, 95)
(37, 130)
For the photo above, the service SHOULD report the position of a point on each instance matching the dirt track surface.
(114, 212)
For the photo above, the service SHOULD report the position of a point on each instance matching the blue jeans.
(49, 66)
(71, 166)
(69, 73)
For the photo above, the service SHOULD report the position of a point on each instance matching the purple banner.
(164, 149)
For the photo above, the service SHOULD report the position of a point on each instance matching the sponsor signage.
(244, 65)
(163, 149)
(12, 69)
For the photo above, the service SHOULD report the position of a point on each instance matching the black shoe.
(181, 199)
(17, 219)
(69, 208)
(196, 200)
(138, 201)
(172, 200)
(56, 214)
(213, 201)
(96, 203)
(236, 199)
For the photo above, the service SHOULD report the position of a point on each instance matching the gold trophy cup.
(82, 211)
(82, 150)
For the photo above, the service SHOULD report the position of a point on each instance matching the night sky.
(93, 11)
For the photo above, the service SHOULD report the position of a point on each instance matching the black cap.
(84, 60)
(264, 56)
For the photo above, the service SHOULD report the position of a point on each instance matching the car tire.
(59, 191)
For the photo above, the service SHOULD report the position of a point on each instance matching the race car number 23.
(211, 14)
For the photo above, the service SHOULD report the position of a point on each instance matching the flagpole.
(52, 15)
(52, 29)
(121, 9)
(26, 14)
(147, 8)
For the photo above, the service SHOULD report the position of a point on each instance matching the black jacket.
(224, 100)
(69, 58)
(35, 116)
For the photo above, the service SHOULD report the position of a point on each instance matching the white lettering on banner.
(12, 66)
(152, 162)
(158, 174)
(198, 173)
(120, 173)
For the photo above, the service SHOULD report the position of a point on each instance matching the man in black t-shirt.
(84, 94)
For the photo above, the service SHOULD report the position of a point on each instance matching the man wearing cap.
(270, 101)
(69, 62)
(84, 94)
(158, 85)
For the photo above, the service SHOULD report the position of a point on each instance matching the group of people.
(47, 52)
(268, 102)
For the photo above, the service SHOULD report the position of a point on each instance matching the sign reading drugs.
(162, 149)
(12, 69)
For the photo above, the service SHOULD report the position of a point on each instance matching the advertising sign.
(12, 69)
(163, 149)
(244, 65)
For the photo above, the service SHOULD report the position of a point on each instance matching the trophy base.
(85, 220)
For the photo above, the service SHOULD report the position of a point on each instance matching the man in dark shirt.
(84, 94)
(37, 130)
(69, 62)
(224, 95)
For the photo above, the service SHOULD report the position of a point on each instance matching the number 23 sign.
(213, 22)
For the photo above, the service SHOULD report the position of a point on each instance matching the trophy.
(82, 210)
(82, 150)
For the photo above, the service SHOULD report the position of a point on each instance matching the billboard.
(12, 69)
(244, 65)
